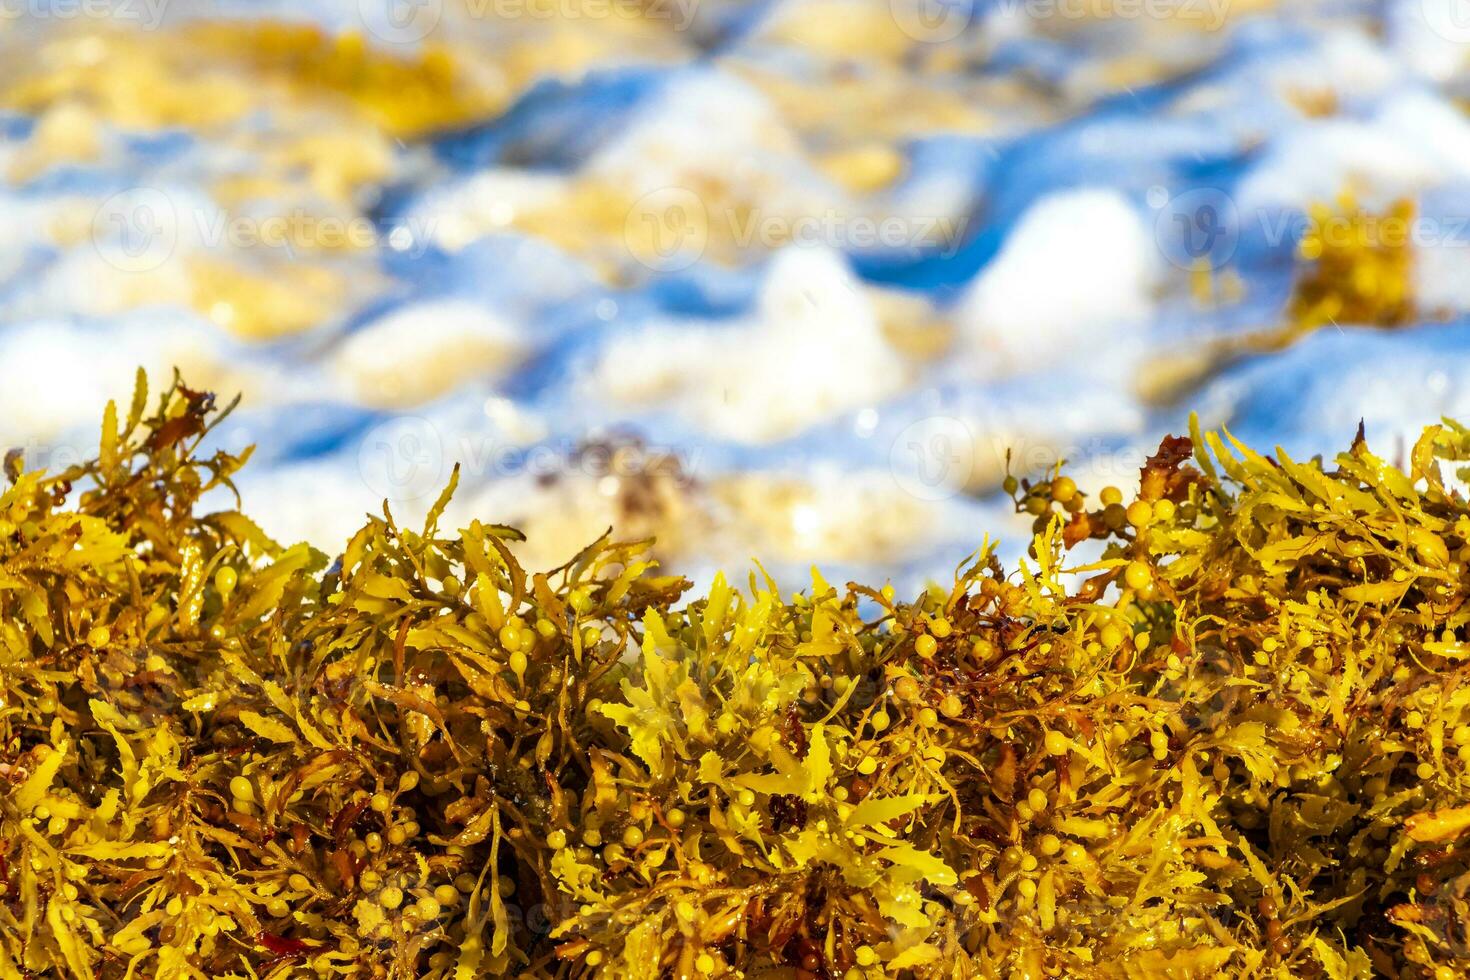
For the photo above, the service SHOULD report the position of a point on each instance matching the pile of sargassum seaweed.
(1233, 742)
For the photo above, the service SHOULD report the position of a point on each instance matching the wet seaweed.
(1231, 740)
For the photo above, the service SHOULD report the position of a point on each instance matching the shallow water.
(784, 280)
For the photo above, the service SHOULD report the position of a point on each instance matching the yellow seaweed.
(1236, 743)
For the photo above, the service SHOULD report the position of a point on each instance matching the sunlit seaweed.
(210, 73)
(1233, 741)
(407, 95)
(1359, 267)
(1356, 269)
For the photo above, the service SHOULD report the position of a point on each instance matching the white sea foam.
(1079, 267)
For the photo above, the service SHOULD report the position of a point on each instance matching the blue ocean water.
(784, 279)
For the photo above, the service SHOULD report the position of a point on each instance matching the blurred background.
(777, 279)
